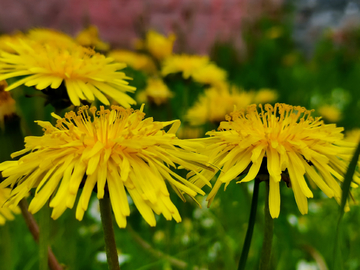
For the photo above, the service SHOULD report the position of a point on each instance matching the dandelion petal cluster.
(293, 145)
(116, 151)
(86, 74)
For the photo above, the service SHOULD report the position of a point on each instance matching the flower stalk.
(268, 234)
(109, 237)
(34, 230)
(44, 224)
(250, 229)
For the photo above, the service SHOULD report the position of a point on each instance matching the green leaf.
(345, 194)
(347, 180)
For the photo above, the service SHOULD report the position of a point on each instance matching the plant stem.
(268, 234)
(250, 229)
(110, 245)
(156, 253)
(34, 230)
(44, 237)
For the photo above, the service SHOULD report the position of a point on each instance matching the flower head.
(288, 144)
(353, 135)
(265, 95)
(157, 44)
(330, 113)
(89, 37)
(188, 65)
(7, 210)
(217, 102)
(210, 74)
(46, 36)
(5, 40)
(87, 75)
(113, 150)
(137, 61)
(156, 92)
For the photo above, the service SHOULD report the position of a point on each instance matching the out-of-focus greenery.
(271, 59)
(211, 238)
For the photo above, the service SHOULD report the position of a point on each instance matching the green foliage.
(211, 238)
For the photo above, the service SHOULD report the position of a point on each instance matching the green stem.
(44, 224)
(249, 232)
(110, 245)
(34, 230)
(268, 234)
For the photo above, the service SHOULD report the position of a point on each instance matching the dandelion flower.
(330, 113)
(265, 95)
(286, 142)
(199, 68)
(217, 102)
(188, 65)
(7, 211)
(353, 135)
(156, 91)
(113, 150)
(210, 74)
(134, 60)
(6, 39)
(87, 75)
(46, 36)
(89, 37)
(157, 44)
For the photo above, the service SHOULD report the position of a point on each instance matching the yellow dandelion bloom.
(265, 95)
(284, 142)
(89, 37)
(45, 36)
(7, 211)
(87, 75)
(137, 61)
(330, 113)
(217, 102)
(116, 151)
(156, 91)
(159, 45)
(188, 65)
(6, 39)
(353, 135)
(210, 74)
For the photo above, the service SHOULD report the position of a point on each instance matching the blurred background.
(304, 52)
